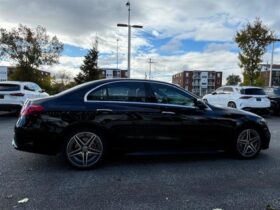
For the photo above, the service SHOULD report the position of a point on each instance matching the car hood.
(233, 111)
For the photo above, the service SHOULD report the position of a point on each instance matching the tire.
(247, 144)
(84, 148)
(232, 104)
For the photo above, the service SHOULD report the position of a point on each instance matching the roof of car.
(13, 82)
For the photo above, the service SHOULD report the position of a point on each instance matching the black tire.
(232, 104)
(247, 146)
(84, 148)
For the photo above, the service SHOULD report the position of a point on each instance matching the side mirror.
(42, 91)
(200, 104)
(214, 93)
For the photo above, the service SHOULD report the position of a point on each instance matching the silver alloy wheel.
(84, 149)
(248, 143)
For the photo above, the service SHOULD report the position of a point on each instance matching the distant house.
(199, 82)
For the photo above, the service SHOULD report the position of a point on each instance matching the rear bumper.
(10, 107)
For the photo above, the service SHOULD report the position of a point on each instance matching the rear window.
(252, 91)
(9, 87)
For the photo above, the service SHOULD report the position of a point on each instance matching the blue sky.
(177, 35)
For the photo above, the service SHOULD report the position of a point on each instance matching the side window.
(220, 90)
(169, 95)
(121, 91)
(29, 87)
(228, 90)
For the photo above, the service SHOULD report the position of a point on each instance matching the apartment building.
(199, 82)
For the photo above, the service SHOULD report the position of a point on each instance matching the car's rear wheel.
(231, 104)
(248, 143)
(84, 148)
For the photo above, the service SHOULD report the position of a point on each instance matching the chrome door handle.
(165, 112)
(104, 110)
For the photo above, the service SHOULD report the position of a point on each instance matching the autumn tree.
(252, 41)
(29, 48)
(233, 79)
(89, 68)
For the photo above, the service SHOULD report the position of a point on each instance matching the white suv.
(13, 94)
(241, 97)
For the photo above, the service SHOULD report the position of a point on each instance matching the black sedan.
(274, 96)
(91, 120)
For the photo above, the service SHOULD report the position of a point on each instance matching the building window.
(187, 74)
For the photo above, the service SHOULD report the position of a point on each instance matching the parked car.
(91, 120)
(274, 96)
(240, 97)
(13, 94)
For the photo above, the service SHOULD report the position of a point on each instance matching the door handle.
(165, 112)
(104, 110)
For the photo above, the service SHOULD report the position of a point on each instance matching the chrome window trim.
(132, 102)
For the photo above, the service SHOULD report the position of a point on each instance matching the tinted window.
(121, 91)
(9, 87)
(29, 87)
(276, 91)
(252, 91)
(169, 95)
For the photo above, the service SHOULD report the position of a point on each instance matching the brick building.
(7, 71)
(265, 73)
(198, 82)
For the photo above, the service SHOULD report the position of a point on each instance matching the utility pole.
(118, 53)
(129, 37)
(150, 65)
(271, 64)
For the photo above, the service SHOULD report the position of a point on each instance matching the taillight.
(245, 97)
(17, 94)
(31, 109)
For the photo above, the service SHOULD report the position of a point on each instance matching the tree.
(252, 41)
(233, 79)
(30, 48)
(89, 69)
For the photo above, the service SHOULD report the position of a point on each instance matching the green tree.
(233, 79)
(252, 41)
(89, 69)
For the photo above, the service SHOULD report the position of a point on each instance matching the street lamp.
(271, 64)
(129, 37)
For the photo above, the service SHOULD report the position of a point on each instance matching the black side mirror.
(42, 90)
(214, 93)
(200, 104)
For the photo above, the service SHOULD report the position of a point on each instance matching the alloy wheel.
(248, 143)
(84, 149)
(232, 105)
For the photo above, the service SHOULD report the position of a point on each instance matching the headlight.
(263, 121)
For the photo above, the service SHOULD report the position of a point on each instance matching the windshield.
(252, 91)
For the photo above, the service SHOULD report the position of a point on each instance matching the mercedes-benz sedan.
(89, 121)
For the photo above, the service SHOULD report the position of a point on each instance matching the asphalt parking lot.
(173, 181)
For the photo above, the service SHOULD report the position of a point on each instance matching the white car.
(241, 97)
(13, 94)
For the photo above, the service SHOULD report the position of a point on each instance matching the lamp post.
(271, 64)
(129, 37)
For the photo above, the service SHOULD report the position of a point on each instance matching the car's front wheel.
(231, 104)
(84, 149)
(248, 143)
